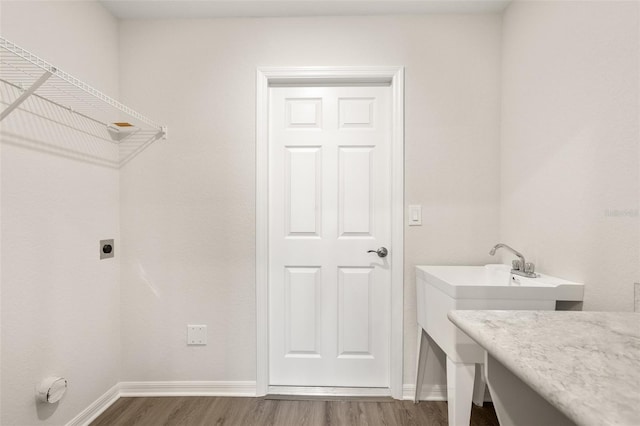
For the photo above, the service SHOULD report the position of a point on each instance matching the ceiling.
(172, 9)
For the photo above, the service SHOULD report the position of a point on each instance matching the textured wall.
(569, 167)
(188, 208)
(60, 304)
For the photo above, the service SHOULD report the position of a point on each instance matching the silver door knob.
(382, 252)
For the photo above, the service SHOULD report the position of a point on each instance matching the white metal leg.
(421, 361)
(479, 386)
(459, 392)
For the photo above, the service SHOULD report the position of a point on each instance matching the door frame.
(266, 76)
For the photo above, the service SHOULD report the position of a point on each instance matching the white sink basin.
(441, 289)
(496, 282)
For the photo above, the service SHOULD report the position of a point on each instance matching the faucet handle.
(529, 268)
(516, 265)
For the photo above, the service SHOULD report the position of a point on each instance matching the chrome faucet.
(519, 266)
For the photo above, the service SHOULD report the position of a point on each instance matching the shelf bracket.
(23, 97)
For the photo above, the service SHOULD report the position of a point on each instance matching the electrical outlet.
(196, 334)
(106, 249)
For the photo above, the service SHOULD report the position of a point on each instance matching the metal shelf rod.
(59, 105)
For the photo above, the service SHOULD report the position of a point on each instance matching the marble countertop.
(586, 364)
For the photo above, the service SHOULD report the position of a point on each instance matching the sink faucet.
(519, 266)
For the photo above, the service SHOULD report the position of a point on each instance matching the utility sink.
(496, 282)
(441, 289)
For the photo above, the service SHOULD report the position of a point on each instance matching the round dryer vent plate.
(51, 389)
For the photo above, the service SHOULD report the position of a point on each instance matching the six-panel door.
(329, 203)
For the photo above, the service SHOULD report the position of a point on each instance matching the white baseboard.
(432, 393)
(97, 407)
(429, 392)
(190, 388)
(133, 389)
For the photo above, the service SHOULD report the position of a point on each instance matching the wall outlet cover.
(196, 334)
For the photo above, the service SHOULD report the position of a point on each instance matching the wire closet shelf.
(47, 109)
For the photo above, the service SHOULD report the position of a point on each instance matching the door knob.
(382, 252)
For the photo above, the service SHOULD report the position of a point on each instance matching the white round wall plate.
(51, 389)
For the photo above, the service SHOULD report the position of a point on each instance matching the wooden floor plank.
(114, 414)
(432, 414)
(221, 411)
(264, 413)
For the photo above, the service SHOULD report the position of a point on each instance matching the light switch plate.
(196, 334)
(415, 215)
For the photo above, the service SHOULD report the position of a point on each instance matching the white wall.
(188, 208)
(570, 143)
(60, 304)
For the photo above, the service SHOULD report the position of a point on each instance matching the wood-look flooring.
(218, 411)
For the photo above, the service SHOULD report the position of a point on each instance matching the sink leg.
(459, 392)
(479, 386)
(421, 361)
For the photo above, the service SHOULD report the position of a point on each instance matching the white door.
(329, 203)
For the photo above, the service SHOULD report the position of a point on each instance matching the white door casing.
(356, 277)
(329, 203)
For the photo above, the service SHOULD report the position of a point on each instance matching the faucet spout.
(520, 266)
(506, 247)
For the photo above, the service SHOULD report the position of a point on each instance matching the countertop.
(586, 364)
